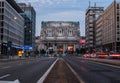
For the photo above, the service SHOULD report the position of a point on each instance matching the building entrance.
(70, 48)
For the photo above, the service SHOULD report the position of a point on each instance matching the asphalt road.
(93, 72)
(26, 71)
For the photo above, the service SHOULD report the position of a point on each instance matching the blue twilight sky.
(63, 10)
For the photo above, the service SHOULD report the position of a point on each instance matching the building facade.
(11, 27)
(92, 14)
(30, 24)
(98, 33)
(111, 27)
(60, 36)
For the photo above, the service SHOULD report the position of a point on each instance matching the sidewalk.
(11, 58)
(61, 74)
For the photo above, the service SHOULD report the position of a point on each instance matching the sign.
(28, 48)
(20, 53)
(82, 41)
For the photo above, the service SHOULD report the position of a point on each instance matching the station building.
(60, 36)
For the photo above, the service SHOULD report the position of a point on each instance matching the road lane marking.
(4, 76)
(102, 63)
(78, 77)
(16, 81)
(41, 80)
(106, 64)
(6, 67)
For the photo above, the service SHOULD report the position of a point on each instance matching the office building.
(111, 27)
(98, 33)
(11, 28)
(92, 13)
(30, 25)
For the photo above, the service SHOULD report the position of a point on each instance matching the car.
(93, 55)
(114, 55)
(86, 55)
(102, 55)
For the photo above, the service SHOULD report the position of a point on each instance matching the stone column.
(64, 47)
(74, 47)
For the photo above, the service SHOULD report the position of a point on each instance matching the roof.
(15, 5)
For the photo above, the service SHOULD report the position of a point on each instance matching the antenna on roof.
(29, 4)
(95, 4)
(89, 3)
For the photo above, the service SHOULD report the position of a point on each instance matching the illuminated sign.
(82, 41)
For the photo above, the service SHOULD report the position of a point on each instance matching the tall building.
(92, 14)
(11, 27)
(98, 33)
(111, 27)
(60, 36)
(30, 24)
(27, 31)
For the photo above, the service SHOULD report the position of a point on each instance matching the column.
(74, 47)
(64, 47)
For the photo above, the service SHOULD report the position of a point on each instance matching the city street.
(59, 41)
(26, 71)
(93, 72)
(31, 70)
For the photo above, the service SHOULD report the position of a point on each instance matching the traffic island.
(61, 73)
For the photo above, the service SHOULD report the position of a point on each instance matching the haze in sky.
(63, 10)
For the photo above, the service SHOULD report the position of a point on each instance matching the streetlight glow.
(15, 17)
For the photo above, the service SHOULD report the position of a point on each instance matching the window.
(118, 19)
(2, 10)
(2, 4)
(118, 33)
(1, 30)
(117, 12)
(117, 6)
(1, 23)
(1, 37)
(118, 38)
(117, 26)
(2, 17)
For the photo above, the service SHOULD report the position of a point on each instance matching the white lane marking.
(41, 80)
(4, 76)
(102, 62)
(106, 64)
(78, 77)
(16, 81)
(6, 67)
